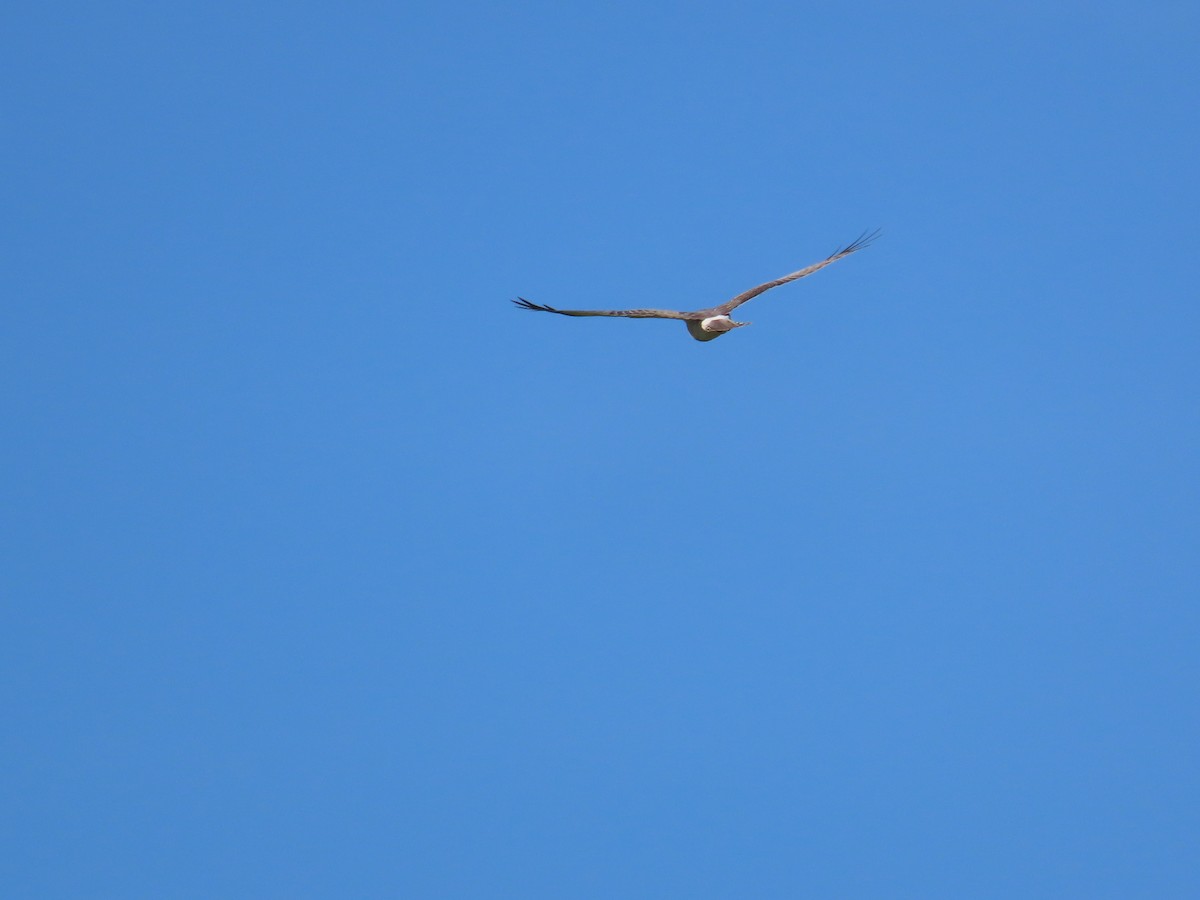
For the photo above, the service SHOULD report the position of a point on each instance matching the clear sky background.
(327, 572)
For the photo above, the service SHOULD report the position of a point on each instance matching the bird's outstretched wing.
(621, 313)
(863, 240)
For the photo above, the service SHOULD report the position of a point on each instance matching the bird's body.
(707, 324)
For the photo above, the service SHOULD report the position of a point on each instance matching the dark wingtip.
(863, 240)
(526, 304)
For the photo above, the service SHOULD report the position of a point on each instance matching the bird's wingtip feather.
(863, 240)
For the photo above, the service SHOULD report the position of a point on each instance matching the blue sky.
(329, 573)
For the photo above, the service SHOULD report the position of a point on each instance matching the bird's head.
(720, 324)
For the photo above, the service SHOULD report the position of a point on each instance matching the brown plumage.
(708, 324)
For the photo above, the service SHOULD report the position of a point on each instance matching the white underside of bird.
(712, 328)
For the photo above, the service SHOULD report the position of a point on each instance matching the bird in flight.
(709, 324)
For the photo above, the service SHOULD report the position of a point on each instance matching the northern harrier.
(708, 324)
